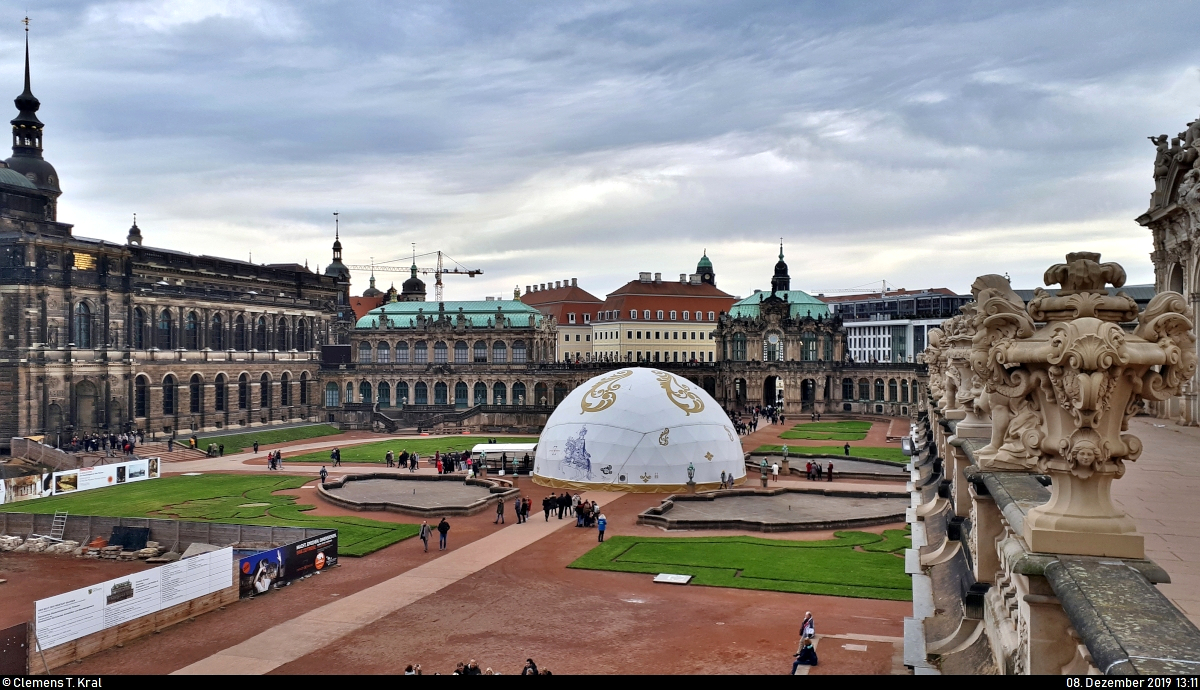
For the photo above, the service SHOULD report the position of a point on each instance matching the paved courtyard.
(417, 493)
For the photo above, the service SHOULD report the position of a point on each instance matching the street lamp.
(691, 483)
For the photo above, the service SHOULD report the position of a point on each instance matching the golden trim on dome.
(605, 391)
(664, 439)
(683, 398)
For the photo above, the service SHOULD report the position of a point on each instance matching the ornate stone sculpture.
(1086, 376)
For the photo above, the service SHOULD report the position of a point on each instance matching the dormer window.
(571, 317)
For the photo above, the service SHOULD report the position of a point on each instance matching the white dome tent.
(637, 429)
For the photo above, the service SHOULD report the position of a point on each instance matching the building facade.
(892, 326)
(105, 337)
(572, 309)
(1174, 222)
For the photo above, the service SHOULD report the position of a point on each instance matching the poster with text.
(259, 572)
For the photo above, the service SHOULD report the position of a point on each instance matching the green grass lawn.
(220, 498)
(854, 564)
(375, 452)
(829, 431)
(235, 443)
(889, 454)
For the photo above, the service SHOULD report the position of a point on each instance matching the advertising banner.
(73, 615)
(82, 479)
(281, 565)
(25, 488)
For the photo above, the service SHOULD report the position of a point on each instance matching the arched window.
(864, 389)
(847, 389)
(499, 352)
(302, 336)
(141, 396)
(163, 342)
(168, 396)
(383, 352)
(539, 395)
(518, 355)
(402, 393)
(480, 352)
(439, 393)
(460, 393)
(384, 394)
(239, 333)
(260, 334)
(402, 353)
(772, 348)
(364, 392)
(915, 397)
(892, 390)
(439, 353)
(264, 391)
(460, 352)
(281, 334)
(480, 393)
(499, 394)
(138, 333)
(739, 348)
(304, 388)
(420, 352)
(560, 392)
(285, 389)
(195, 394)
(216, 333)
(349, 393)
(331, 395)
(904, 390)
(244, 392)
(219, 392)
(421, 393)
(518, 390)
(808, 347)
(879, 389)
(364, 352)
(83, 326)
(191, 331)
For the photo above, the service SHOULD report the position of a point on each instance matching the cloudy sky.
(918, 143)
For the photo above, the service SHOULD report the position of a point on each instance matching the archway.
(85, 406)
(808, 394)
(740, 392)
(772, 391)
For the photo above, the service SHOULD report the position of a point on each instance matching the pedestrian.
(807, 656)
(324, 474)
(221, 449)
(808, 627)
(829, 472)
(847, 447)
(722, 479)
(808, 473)
(424, 534)
(256, 446)
(442, 528)
(171, 446)
(601, 524)
(499, 513)
(389, 458)
(335, 456)
(775, 471)
(548, 505)
(530, 668)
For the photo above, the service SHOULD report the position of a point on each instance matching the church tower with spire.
(27, 143)
(781, 281)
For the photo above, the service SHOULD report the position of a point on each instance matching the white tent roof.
(637, 429)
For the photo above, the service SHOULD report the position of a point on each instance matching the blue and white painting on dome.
(576, 463)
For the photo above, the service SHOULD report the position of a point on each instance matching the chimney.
(574, 282)
(658, 277)
(542, 287)
(557, 284)
(527, 290)
(695, 280)
(644, 277)
(683, 277)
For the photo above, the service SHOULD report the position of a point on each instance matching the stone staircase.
(159, 449)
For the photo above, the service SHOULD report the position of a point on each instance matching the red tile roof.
(667, 296)
(558, 302)
(362, 305)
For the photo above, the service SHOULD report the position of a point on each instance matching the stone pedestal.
(1081, 519)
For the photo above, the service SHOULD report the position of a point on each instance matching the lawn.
(236, 442)
(853, 564)
(374, 452)
(889, 454)
(222, 498)
(829, 431)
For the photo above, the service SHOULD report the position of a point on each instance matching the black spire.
(781, 282)
(27, 139)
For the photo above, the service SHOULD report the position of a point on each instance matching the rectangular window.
(686, 314)
(633, 314)
(710, 356)
(639, 335)
(672, 314)
(658, 315)
(571, 317)
(675, 336)
(587, 318)
(657, 335)
(710, 316)
(576, 337)
(567, 338)
(699, 317)
(656, 356)
(646, 314)
(589, 337)
(385, 355)
(629, 335)
(693, 335)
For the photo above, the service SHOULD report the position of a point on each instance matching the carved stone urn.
(1087, 375)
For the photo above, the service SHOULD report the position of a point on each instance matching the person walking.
(424, 534)
(847, 447)
(808, 627)
(336, 456)
(548, 505)
(601, 524)
(775, 472)
(221, 449)
(499, 513)
(829, 472)
(324, 474)
(389, 458)
(256, 446)
(442, 528)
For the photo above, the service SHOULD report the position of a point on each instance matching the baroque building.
(98, 336)
(1174, 222)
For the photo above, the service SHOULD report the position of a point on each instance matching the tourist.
(530, 668)
(171, 446)
(403, 458)
(499, 513)
(389, 458)
(601, 524)
(808, 472)
(722, 479)
(336, 456)
(442, 528)
(221, 449)
(548, 504)
(847, 447)
(564, 502)
(438, 464)
(829, 474)
(424, 534)
(775, 472)
(808, 627)
(256, 446)
(817, 469)
(807, 656)
(324, 474)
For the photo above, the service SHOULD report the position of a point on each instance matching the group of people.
(471, 668)
(814, 473)
(521, 506)
(110, 443)
(755, 413)
(409, 460)
(443, 528)
(275, 460)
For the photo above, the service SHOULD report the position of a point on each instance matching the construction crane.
(437, 272)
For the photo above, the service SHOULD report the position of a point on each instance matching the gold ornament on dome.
(645, 478)
(729, 433)
(683, 398)
(708, 457)
(604, 392)
(664, 437)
